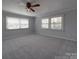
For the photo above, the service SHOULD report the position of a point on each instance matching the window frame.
(45, 23)
(62, 29)
(19, 23)
(49, 25)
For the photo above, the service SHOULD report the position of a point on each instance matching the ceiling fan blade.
(32, 9)
(36, 5)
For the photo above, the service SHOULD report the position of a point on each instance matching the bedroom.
(49, 32)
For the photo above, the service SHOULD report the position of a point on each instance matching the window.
(45, 23)
(12, 23)
(16, 23)
(56, 23)
(24, 23)
(53, 23)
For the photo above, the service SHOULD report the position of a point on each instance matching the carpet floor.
(36, 47)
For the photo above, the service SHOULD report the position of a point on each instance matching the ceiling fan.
(30, 6)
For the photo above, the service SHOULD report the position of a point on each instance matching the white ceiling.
(45, 6)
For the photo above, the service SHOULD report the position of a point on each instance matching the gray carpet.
(36, 47)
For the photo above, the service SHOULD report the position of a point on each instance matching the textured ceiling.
(16, 6)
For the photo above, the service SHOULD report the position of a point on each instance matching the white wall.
(69, 31)
(10, 34)
(70, 26)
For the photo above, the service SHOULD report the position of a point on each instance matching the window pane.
(44, 25)
(24, 26)
(59, 19)
(52, 20)
(56, 26)
(52, 26)
(56, 23)
(56, 20)
(24, 23)
(45, 20)
(12, 23)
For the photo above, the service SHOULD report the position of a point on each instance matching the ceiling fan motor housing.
(28, 4)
